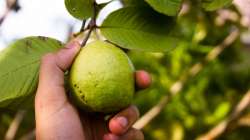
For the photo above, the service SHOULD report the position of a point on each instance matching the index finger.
(142, 79)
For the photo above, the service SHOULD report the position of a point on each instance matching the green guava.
(102, 78)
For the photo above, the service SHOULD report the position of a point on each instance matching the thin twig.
(88, 34)
(11, 132)
(29, 136)
(82, 30)
(151, 114)
(91, 26)
(222, 126)
(178, 86)
(11, 5)
(3, 16)
(244, 120)
(83, 26)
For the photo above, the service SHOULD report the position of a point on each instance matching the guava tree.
(192, 49)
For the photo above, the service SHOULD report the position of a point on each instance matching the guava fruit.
(102, 78)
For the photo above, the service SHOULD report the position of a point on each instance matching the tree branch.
(152, 113)
(223, 125)
(91, 26)
(244, 120)
(29, 136)
(11, 5)
(11, 132)
(178, 85)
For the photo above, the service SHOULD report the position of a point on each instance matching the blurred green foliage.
(207, 98)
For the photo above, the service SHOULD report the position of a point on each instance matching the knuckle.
(133, 134)
(134, 111)
(139, 135)
(47, 58)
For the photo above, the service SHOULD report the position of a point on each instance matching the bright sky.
(41, 17)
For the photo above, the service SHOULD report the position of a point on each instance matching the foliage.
(19, 70)
(80, 9)
(211, 5)
(166, 42)
(139, 28)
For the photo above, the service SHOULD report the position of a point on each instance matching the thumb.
(51, 93)
(53, 65)
(64, 57)
(55, 116)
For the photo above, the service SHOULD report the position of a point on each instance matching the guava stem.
(91, 25)
(87, 37)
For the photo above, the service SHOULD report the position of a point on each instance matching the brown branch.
(88, 33)
(91, 26)
(11, 132)
(244, 120)
(151, 114)
(29, 136)
(219, 129)
(4, 16)
(178, 86)
(10, 5)
(83, 26)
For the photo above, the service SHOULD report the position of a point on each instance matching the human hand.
(57, 118)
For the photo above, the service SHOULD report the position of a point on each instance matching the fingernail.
(110, 137)
(136, 110)
(106, 137)
(143, 79)
(122, 121)
(72, 44)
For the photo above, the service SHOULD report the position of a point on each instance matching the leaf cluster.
(162, 39)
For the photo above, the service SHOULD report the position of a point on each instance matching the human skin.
(58, 119)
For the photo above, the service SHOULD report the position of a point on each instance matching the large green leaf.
(133, 2)
(168, 7)
(139, 28)
(211, 5)
(19, 65)
(80, 9)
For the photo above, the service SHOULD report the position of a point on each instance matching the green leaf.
(133, 2)
(167, 7)
(139, 28)
(80, 9)
(211, 5)
(19, 65)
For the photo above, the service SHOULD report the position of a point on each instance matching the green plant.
(183, 44)
(135, 26)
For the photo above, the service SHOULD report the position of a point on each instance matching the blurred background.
(201, 88)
